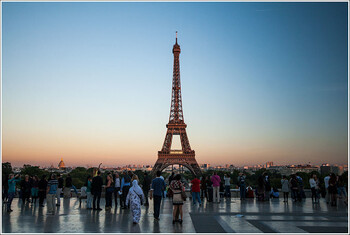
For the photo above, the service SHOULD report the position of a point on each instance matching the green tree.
(32, 170)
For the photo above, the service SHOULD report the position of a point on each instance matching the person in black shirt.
(59, 189)
(42, 185)
(26, 189)
(96, 190)
(146, 186)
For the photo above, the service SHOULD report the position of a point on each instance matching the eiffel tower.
(176, 126)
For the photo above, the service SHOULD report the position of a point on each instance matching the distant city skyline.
(91, 82)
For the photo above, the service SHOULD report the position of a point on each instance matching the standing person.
(285, 188)
(124, 188)
(210, 189)
(109, 192)
(241, 183)
(116, 189)
(341, 188)
(88, 192)
(135, 198)
(216, 187)
(42, 185)
(26, 189)
(5, 187)
(314, 188)
(326, 185)
(156, 192)
(177, 187)
(294, 187)
(332, 189)
(146, 186)
(96, 189)
(68, 185)
(267, 186)
(51, 194)
(227, 180)
(195, 191)
(204, 190)
(260, 189)
(59, 189)
(35, 189)
(301, 188)
(11, 189)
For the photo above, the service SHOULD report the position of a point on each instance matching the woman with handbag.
(178, 197)
(135, 199)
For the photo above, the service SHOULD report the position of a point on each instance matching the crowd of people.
(132, 194)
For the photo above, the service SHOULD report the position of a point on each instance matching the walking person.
(241, 183)
(216, 187)
(35, 189)
(96, 189)
(146, 186)
(68, 185)
(42, 185)
(227, 180)
(26, 189)
(135, 199)
(177, 188)
(116, 189)
(314, 185)
(326, 185)
(59, 189)
(196, 191)
(156, 192)
(51, 194)
(332, 189)
(285, 188)
(88, 192)
(124, 188)
(109, 192)
(11, 189)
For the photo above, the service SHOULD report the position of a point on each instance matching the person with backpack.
(135, 199)
(42, 190)
(301, 187)
(294, 187)
(124, 188)
(146, 186)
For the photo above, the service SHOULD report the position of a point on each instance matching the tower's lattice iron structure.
(176, 126)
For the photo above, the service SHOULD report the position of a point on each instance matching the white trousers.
(216, 194)
(58, 195)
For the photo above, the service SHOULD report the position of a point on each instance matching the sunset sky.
(91, 82)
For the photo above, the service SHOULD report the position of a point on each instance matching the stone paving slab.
(257, 217)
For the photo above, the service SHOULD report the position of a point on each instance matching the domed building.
(61, 165)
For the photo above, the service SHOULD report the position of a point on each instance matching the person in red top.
(196, 190)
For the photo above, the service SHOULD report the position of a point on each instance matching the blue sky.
(260, 81)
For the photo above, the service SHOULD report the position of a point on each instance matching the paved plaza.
(226, 217)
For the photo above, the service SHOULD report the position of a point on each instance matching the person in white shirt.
(326, 184)
(314, 188)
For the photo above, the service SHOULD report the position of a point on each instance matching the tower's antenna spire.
(176, 36)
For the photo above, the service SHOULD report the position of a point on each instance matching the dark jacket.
(96, 185)
(26, 186)
(60, 182)
(69, 182)
(42, 185)
(146, 183)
